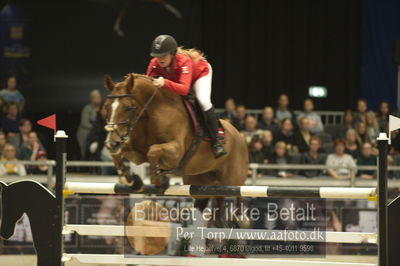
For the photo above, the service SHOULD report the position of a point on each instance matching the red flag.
(49, 122)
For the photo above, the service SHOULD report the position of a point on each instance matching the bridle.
(133, 117)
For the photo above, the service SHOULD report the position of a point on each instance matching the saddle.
(198, 122)
(199, 129)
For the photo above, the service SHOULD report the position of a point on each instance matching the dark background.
(258, 49)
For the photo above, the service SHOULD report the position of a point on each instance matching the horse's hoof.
(137, 183)
(163, 184)
(133, 181)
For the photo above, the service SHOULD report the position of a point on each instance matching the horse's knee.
(154, 152)
(167, 154)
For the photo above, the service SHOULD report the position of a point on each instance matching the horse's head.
(121, 111)
(10, 211)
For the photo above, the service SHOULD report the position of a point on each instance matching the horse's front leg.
(164, 156)
(134, 181)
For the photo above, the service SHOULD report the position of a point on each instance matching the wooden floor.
(29, 260)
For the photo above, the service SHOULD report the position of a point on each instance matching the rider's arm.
(185, 79)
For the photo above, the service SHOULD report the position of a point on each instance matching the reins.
(135, 119)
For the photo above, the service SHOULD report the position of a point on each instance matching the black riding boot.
(212, 126)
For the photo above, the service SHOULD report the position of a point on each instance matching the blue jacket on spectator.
(8, 125)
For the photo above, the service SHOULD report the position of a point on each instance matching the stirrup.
(218, 150)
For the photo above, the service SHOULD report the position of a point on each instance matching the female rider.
(181, 69)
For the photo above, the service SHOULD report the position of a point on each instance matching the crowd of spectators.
(282, 137)
(279, 137)
(17, 139)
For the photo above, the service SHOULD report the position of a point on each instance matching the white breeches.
(202, 89)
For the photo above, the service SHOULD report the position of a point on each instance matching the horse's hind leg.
(164, 156)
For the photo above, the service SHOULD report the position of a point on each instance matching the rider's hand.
(159, 82)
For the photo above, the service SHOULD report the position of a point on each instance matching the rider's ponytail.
(193, 53)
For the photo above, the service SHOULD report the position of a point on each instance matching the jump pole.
(61, 159)
(227, 191)
(382, 200)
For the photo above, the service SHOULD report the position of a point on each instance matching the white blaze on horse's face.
(111, 126)
(114, 107)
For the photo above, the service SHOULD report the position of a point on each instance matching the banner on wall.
(15, 45)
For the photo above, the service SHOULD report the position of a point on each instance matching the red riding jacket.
(184, 72)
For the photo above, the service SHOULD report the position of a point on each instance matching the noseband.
(132, 117)
(113, 127)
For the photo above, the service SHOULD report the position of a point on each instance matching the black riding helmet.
(163, 45)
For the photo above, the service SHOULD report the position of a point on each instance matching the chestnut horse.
(147, 124)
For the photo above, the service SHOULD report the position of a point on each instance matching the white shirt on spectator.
(316, 125)
(346, 161)
(18, 169)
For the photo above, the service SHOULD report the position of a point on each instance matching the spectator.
(96, 148)
(280, 156)
(12, 167)
(267, 122)
(25, 127)
(11, 94)
(88, 117)
(339, 159)
(351, 145)
(229, 113)
(362, 109)
(282, 111)
(241, 116)
(11, 120)
(3, 142)
(268, 143)
(372, 126)
(97, 136)
(30, 149)
(366, 158)
(383, 116)
(42, 169)
(285, 133)
(362, 135)
(392, 174)
(348, 122)
(313, 157)
(255, 150)
(316, 125)
(301, 138)
(250, 128)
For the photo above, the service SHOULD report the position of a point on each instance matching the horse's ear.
(108, 83)
(130, 82)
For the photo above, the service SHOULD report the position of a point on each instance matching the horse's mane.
(136, 75)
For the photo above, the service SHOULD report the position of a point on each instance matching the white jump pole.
(226, 233)
(229, 191)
